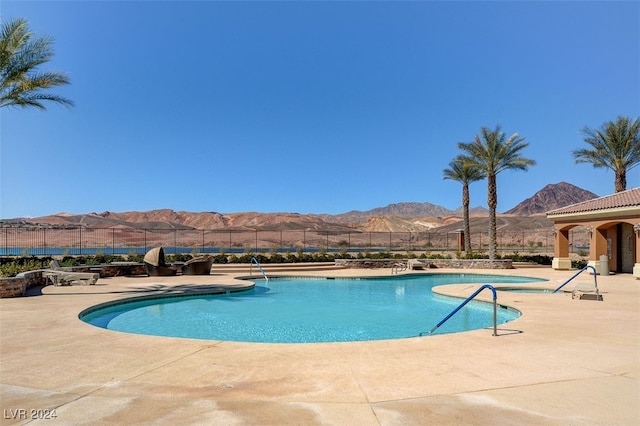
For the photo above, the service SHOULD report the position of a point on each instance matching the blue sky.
(311, 107)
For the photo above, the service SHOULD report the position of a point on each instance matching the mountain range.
(398, 217)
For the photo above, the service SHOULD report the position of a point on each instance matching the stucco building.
(613, 224)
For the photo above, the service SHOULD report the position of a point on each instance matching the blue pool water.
(303, 310)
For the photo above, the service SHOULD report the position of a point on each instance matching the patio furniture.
(155, 264)
(200, 265)
(59, 275)
(59, 278)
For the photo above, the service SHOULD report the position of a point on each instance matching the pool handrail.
(467, 300)
(595, 280)
(398, 267)
(254, 260)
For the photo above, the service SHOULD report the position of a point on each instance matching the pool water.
(303, 310)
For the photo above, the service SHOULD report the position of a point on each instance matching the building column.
(636, 250)
(561, 259)
(598, 247)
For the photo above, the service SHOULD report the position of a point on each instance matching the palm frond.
(615, 145)
(21, 54)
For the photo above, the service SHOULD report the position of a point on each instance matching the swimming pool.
(304, 310)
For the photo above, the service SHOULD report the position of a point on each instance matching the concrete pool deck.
(565, 361)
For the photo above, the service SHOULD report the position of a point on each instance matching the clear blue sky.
(311, 107)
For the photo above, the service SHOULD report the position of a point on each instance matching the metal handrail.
(398, 267)
(467, 300)
(254, 260)
(595, 279)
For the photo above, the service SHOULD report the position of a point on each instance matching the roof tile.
(628, 198)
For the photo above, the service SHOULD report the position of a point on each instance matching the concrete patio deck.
(564, 362)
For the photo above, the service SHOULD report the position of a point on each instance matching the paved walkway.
(564, 362)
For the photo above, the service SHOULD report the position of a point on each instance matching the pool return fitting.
(467, 300)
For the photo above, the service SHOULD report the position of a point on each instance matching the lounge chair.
(200, 265)
(59, 275)
(155, 265)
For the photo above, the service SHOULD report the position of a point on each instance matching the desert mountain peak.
(552, 196)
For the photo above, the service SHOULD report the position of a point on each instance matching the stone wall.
(113, 269)
(12, 287)
(426, 263)
(17, 286)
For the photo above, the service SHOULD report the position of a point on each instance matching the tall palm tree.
(464, 173)
(492, 152)
(21, 53)
(616, 146)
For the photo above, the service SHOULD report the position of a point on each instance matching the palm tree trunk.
(621, 180)
(492, 201)
(465, 216)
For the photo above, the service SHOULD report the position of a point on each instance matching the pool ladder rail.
(467, 300)
(254, 260)
(577, 289)
(398, 267)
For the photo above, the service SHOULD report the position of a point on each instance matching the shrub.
(220, 258)
(579, 264)
(12, 267)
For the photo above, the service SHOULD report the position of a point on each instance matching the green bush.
(11, 267)
(220, 258)
(579, 264)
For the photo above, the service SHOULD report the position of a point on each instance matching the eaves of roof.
(623, 203)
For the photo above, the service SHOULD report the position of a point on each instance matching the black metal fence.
(47, 241)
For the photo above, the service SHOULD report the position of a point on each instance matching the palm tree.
(616, 146)
(21, 53)
(492, 152)
(464, 173)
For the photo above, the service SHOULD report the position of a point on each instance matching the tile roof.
(628, 198)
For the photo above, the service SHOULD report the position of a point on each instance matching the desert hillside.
(399, 217)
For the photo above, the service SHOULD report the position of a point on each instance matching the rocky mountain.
(552, 196)
(399, 217)
(404, 209)
(411, 209)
